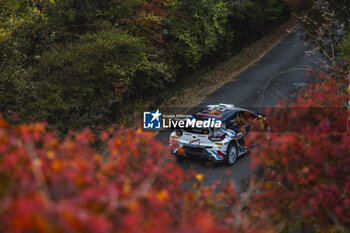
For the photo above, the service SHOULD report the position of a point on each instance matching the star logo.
(151, 120)
(156, 115)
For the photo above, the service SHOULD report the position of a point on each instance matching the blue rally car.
(221, 144)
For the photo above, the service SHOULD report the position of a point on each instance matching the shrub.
(49, 185)
(306, 183)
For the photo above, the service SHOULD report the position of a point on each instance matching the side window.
(249, 117)
(241, 118)
(232, 122)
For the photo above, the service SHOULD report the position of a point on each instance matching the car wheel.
(231, 155)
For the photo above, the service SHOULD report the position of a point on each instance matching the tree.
(324, 23)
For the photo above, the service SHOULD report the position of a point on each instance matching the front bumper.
(208, 152)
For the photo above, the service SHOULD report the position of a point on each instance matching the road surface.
(278, 75)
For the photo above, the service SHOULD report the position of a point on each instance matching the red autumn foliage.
(49, 185)
(155, 7)
(150, 21)
(307, 180)
(120, 88)
(52, 185)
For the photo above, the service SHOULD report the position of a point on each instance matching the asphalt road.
(278, 75)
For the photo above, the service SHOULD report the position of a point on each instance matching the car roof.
(219, 112)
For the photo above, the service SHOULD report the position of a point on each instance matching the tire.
(231, 154)
(179, 157)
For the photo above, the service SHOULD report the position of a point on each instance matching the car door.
(247, 119)
(232, 126)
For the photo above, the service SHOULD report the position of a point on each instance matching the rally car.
(220, 144)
